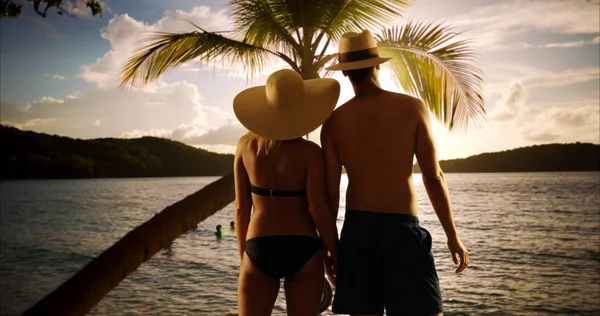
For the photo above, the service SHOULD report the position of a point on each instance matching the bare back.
(375, 139)
(284, 169)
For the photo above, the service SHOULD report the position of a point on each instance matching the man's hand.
(459, 253)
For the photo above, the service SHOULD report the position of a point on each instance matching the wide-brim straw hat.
(356, 51)
(287, 107)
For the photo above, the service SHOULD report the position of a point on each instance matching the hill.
(538, 158)
(28, 154)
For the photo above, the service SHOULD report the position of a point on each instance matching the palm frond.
(168, 50)
(320, 64)
(342, 16)
(430, 63)
(263, 23)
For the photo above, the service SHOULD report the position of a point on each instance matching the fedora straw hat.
(358, 50)
(287, 107)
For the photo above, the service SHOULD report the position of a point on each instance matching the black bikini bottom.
(281, 256)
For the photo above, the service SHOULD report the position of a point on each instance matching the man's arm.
(433, 179)
(333, 169)
(243, 200)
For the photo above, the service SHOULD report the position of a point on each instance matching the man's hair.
(358, 75)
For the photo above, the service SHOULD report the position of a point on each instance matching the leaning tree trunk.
(79, 294)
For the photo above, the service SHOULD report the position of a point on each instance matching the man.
(385, 258)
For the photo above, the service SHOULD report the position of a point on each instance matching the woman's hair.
(263, 145)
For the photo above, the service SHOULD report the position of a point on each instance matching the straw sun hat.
(287, 107)
(356, 51)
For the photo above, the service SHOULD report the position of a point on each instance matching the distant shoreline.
(218, 177)
(37, 156)
(538, 158)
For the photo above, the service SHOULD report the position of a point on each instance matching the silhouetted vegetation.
(28, 154)
(12, 9)
(538, 158)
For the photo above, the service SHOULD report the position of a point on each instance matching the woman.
(281, 176)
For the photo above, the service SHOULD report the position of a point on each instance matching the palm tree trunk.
(308, 74)
(79, 294)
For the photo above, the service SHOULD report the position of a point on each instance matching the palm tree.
(429, 62)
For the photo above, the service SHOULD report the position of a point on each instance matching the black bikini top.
(272, 193)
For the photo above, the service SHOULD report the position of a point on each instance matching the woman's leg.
(256, 292)
(303, 291)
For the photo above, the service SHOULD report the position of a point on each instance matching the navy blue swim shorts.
(385, 261)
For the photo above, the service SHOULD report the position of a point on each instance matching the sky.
(60, 75)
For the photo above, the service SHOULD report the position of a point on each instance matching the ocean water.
(534, 242)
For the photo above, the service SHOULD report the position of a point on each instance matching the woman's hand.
(330, 262)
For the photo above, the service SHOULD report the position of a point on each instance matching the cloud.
(111, 112)
(171, 110)
(532, 77)
(9, 112)
(509, 106)
(569, 119)
(220, 139)
(564, 122)
(224, 135)
(543, 137)
(124, 34)
(55, 76)
(518, 121)
(495, 24)
(222, 149)
(596, 40)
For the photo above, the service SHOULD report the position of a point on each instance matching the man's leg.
(411, 282)
(359, 284)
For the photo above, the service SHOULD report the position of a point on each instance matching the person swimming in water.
(219, 233)
(232, 226)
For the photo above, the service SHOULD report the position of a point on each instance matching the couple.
(384, 256)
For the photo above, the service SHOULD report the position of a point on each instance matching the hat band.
(358, 55)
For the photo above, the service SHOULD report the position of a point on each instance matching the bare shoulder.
(411, 103)
(404, 99)
(309, 146)
(338, 112)
(244, 145)
(332, 120)
(308, 149)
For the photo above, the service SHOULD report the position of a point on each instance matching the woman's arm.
(317, 200)
(243, 199)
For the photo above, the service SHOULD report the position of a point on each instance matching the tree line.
(27, 154)
(538, 158)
